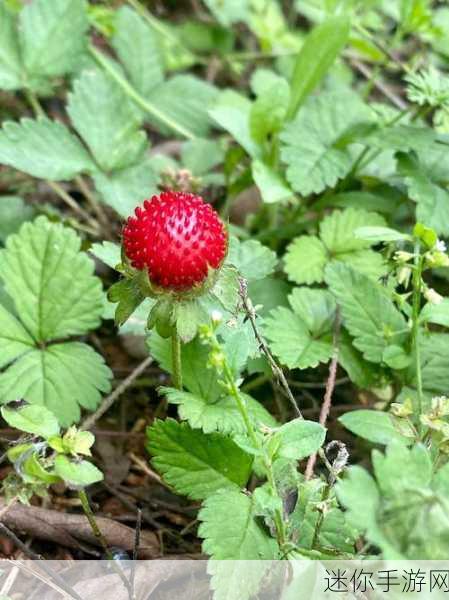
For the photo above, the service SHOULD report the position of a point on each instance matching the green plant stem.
(71, 203)
(33, 101)
(416, 308)
(241, 404)
(136, 97)
(93, 523)
(176, 360)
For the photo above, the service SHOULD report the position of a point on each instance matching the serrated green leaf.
(298, 439)
(320, 49)
(201, 155)
(44, 149)
(194, 463)
(363, 373)
(380, 234)
(51, 282)
(15, 339)
(401, 137)
(108, 252)
(369, 314)
(226, 288)
(396, 357)
(252, 259)
(53, 36)
(11, 75)
(293, 343)
(401, 469)
(13, 212)
(78, 474)
(128, 296)
(106, 120)
(305, 260)
(124, 189)
(315, 307)
(231, 112)
(436, 313)
(434, 363)
(216, 415)
(337, 230)
(269, 110)
(185, 100)
(373, 425)
(138, 49)
(314, 146)
(37, 420)
(62, 378)
(358, 492)
(189, 316)
(272, 186)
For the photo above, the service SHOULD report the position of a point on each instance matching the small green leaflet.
(194, 463)
(37, 420)
(298, 439)
(77, 474)
(10, 61)
(376, 426)
(252, 259)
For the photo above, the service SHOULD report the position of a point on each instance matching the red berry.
(176, 236)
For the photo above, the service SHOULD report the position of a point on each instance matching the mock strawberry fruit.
(177, 237)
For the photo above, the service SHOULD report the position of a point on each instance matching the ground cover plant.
(224, 277)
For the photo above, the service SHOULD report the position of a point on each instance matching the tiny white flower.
(440, 246)
(216, 316)
(432, 296)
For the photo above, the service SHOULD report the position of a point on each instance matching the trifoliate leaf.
(231, 112)
(252, 259)
(138, 49)
(53, 36)
(43, 148)
(242, 539)
(194, 463)
(37, 420)
(15, 339)
(13, 212)
(185, 100)
(298, 439)
(369, 314)
(106, 120)
(62, 378)
(272, 186)
(375, 426)
(122, 189)
(217, 415)
(314, 150)
(51, 282)
(77, 474)
(11, 70)
(305, 259)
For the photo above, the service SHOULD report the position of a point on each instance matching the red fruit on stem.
(177, 237)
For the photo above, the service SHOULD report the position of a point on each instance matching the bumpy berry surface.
(176, 236)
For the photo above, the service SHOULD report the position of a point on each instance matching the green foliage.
(38, 267)
(376, 426)
(194, 463)
(298, 439)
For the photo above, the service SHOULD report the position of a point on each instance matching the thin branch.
(277, 371)
(109, 400)
(330, 386)
(71, 203)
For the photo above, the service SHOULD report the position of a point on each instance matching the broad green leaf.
(61, 378)
(232, 112)
(77, 474)
(226, 288)
(436, 313)
(53, 36)
(252, 259)
(194, 463)
(396, 357)
(11, 76)
(401, 469)
(269, 110)
(380, 234)
(13, 212)
(51, 282)
(241, 548)
(299, 439)
(305, 259)
(185, 100)
(108, 252)
(401, 137)
(43, 148)
(228, 12)
(37, 420)
(315, 307)
(315, 149)
(428, 191)
(14, 338)
(218, 415)
(375, 426)
(363, 373)
(138, 49)
(106, 120)
(271, 185)
(124, 189)
(201, 155)
(434, 363)
(239, 538)
(34, 472)
(268, 293)
(359, 494)
(369, 314)
(293, 343)
(320, 49)
(337, 230)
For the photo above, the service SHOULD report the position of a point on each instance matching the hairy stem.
(176, 360)
(416, 308)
